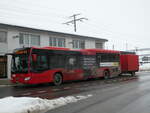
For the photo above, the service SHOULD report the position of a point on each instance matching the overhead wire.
(30, 8)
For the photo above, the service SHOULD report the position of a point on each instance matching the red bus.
(49, 64)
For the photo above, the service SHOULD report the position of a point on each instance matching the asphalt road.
(118, 95)
(71, 88)
(131, 96)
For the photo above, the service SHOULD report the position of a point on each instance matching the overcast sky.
(125, 23)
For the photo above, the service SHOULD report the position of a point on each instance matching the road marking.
(41, 92)
(66, 88)
(77, 86)
(85, 85)
(113, 88)
(26, 94)
(56, 89)
(8, 85)
(4, 85)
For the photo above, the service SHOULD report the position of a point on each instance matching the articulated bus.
(50, 64)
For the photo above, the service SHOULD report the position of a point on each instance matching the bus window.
(34, 57)
(72, 62)
(40, 64)
(57, 61)
(89, 62)
(104, 58)
(109, 57)
(19, 64)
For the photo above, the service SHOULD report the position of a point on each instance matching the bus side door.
(72, 68)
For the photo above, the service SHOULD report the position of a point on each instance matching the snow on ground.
(145, 67)
(35, 105)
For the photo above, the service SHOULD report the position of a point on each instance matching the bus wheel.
(57, 79)
(106, 75)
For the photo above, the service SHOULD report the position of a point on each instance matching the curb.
(5, 82)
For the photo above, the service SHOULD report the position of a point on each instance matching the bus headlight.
(13, 75)
(27, 78)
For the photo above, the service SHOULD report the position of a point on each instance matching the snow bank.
(35, 105)
(145, 67)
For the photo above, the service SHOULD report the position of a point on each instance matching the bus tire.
(106, 74)
(58, 79)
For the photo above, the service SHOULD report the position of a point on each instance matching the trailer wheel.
(58, 79)
(120, 74)
(132, 73)
(106, 75)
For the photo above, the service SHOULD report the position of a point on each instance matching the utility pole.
(113, 46)
(136, 50)
(74, 21)
(126, 46)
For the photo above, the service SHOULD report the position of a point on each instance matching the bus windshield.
(19, 63)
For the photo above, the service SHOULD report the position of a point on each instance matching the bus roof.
(94, 51)
(126, 52)
(51, 48)
(83, 51)
(56, 48)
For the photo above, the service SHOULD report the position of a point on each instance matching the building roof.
(52, 32)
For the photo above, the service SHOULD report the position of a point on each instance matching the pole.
(75, 29)
(74, 21)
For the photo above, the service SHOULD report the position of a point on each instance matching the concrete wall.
(89, 44)
(44, 40)
(3, 46)
(13, 41)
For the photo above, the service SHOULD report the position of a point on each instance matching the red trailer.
(129, 62)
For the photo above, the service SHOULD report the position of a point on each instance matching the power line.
(33, 7)
(74, 21)
(31, 10)
(24, 15)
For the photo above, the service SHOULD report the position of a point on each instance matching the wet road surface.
(131, 96)
(49, 91)
(118, 95)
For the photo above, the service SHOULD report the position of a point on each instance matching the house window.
(57, 42)
(99, 45)
(75, 44)
(35, 40)
(29, 39)
(78, 44)
(24, 39)
(3, 37)
(54, 42)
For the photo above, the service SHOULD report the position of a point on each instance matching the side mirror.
(34, 57)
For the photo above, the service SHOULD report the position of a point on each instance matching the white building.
(12, 37)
